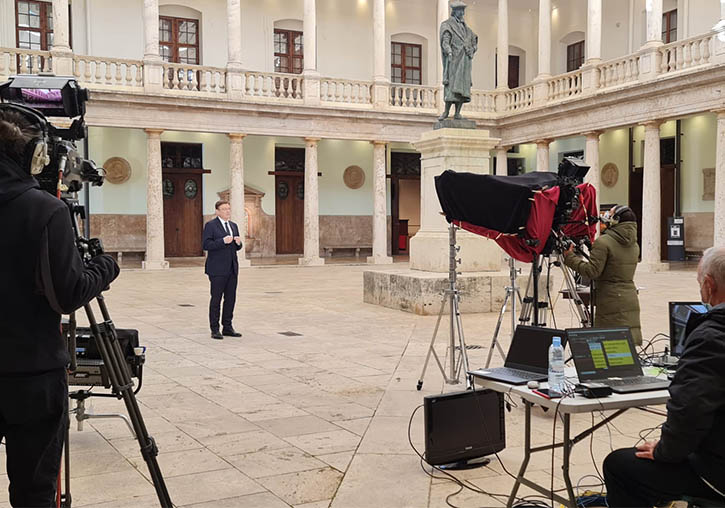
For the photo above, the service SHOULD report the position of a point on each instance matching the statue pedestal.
(418, 289)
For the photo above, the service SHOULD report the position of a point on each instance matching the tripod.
(512, 292)
(106, 339)
(451, 295)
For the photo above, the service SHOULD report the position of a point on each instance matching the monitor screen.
(601, 353)
(680, 313)
(530, 348)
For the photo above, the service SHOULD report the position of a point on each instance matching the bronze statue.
(458, 45)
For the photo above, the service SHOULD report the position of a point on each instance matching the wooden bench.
(329, 248)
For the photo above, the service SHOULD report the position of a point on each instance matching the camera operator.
(43, 276)
(689, 458)
(612, 263)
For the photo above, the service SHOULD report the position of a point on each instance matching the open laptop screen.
(601, 353)
(530, 348)
(680, 313)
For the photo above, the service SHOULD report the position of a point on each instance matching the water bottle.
(556, 367)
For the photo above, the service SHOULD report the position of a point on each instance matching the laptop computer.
(607, 355)
(527, 358)
(680, 313)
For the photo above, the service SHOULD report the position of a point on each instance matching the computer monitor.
(602, 353)
(680, 313)
(462, 426)
(529, 348)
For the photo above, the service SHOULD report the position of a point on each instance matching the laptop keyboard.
(524, 374)
(632, 381)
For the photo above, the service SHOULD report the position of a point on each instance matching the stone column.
(236, 191)
(502, 46)
(591, 157)
(719, 235)
(154, 204)
(380, 206)
(502, 160)
(460, 150)
(594, 32)
(542, 154)
(544, 39)
(651, 199)
(381, 83)
(234, 34)
(60, 51)
(153, 70)
(722, 9)
(653, 9)
(311, 83)
(312, 206)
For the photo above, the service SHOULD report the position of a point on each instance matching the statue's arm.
(446, 43)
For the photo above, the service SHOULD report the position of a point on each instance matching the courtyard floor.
(311, 407)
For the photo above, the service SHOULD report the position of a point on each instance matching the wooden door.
(403, 166)
(182, 214)
(290, 213)
(636, 181)
(513, 71)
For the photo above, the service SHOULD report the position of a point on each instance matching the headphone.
(614, 219)
(35, 156)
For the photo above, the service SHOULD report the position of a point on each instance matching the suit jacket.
(222, 257)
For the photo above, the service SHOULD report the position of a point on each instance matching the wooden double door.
(290, 213)
(183, 219)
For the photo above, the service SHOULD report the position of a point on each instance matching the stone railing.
(413, 96)
(618, 72)
(482, 101)
(273, 85)
(94, 71)
(343, 91)
(194, 78)
(564, 86)
(24, 61)
(519, 98)
(691, 52)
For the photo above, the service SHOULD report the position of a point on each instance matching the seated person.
(689, 458)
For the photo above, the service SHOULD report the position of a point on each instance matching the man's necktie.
(226, 228)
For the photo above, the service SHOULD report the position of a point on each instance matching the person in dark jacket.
(42, 277)
(222, 241)
(612, 263)
(689, 458)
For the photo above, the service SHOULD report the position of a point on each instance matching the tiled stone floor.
(314, 420)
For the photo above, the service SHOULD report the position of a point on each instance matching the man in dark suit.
(222, 241)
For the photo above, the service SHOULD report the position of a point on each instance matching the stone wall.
(699, 228)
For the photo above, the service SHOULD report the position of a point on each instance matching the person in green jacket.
(612, 263)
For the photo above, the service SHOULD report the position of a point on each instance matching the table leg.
(568, 445)
(527, 455)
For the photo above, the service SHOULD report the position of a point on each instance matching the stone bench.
(330, 248)
(120, 251)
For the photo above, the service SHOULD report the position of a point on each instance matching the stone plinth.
(422, 292)
(460, 150)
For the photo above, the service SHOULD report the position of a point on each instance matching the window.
(669, 26)
(574, 56)
(405, 63)
(34, 24)
(514, 70)
(288, 51)
(179, 40)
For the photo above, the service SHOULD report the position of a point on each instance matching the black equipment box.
(675, 238)
(91, 369)
(463, 425)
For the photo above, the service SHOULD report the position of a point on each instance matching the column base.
(155, 265)
(380, 260)
(644, 267)
(315, 261)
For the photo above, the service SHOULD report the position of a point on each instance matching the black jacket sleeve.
(236, 229)
(67, 283)
(696, 394)
(209, 243)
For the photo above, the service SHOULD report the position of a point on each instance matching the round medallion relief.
(354, 177)
(610, 174)
(118, 170)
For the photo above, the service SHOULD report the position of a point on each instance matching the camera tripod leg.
(462, 345)
(122, 384)
(494, 341)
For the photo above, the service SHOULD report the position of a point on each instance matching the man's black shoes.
(231, 332)
(216, 335)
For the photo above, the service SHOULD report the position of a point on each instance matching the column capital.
(312, 140)
(592, 134)
(154, 132)
(652, 124)
(719, 112)
(379, 142)
(505, 148)
(236, 136)
(543, 142)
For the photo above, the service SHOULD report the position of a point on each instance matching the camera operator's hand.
(228, 239)
(570, 250)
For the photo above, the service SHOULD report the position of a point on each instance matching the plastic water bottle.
(556, 367)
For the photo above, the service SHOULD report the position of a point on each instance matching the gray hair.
(713, 264)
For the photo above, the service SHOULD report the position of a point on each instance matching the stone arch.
(412, 38)
(570, 38)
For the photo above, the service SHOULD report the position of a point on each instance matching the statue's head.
(458, 8)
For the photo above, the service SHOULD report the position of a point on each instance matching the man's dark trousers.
(222, 267)
(33, 422)
(635, 482)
